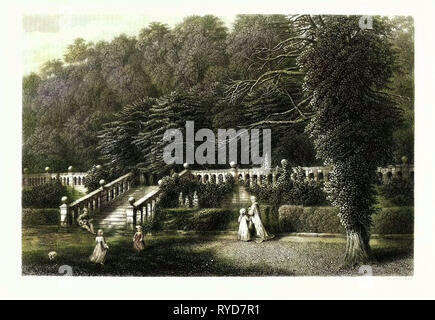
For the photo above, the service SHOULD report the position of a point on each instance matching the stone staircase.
(238, 199)
(113, 217)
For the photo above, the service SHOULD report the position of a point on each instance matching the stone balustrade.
(95, 200)
(258, 176)
(386, 174)
(144, 209)
(262, 176)
(72, 179)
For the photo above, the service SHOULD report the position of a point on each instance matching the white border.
(13, 285)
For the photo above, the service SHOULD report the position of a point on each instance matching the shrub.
(306, 193)
(395, 220)
(286, 191)
(211, 219)
(399, 191)
(32, 217)
(94, 176)
(309, 219)
(325, 220)
(210, 195)
(155, 224)
(44, 196)
(169, 192)
(269, 217)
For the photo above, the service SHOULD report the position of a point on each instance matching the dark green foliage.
(44, 196)
(309, 219)
(68, 102)
(135, 138)
(210, 195)
(395, 220)
(155, 224)
(211, 219)
(299, 191)
(169, 192)
(95, 175)
(33, 217)
(399, 191)
(353, 123)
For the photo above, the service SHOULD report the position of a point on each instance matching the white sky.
(96, 20)
(47, 36)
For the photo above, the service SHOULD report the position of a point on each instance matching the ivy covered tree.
(346, 69)
(350, 116)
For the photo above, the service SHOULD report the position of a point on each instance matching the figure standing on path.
(138, 240)
(100, 251)
(254, 213)
(244, 234)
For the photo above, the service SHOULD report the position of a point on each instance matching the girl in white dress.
(99, 254)
(244, 233)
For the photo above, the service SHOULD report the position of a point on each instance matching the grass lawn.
(204, 255)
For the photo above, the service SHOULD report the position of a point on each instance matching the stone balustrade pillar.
(130, 214)
(64, 213)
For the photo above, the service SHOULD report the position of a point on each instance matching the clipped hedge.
(44, 196)
(399, 191)
(309, 219)
(395, 220)
(210, 195)
(212, 219)
(46, 216)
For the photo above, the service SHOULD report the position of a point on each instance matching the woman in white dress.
(244, 234)
(99, 254)
(254, 213)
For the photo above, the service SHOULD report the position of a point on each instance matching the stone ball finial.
(64, 199)
(70, 168)
(26, 170)
(160, 182)
(404, 159)
(98, 166)
(131, 200)
(284, 162)
(102, 182)
(186, 165)
(175, 175)
(47, 169)
(233, 164)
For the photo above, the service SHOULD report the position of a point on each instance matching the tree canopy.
(244, 76)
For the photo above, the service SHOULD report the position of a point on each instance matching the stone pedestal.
(130, 214)
(64, 215)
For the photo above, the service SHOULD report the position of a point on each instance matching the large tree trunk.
(358, 247)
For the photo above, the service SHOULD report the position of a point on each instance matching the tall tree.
(351, 120)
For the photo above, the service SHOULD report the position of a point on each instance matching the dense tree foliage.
(346, 101)
(73, 105)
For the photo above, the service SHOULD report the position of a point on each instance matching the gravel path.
(304, 256)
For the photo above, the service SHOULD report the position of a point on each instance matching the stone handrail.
(144, 209)
(95, 200)
(270, 175)
(72, 179)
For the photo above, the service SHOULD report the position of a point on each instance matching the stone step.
(110, 219)
(113, 217)
(111, 223)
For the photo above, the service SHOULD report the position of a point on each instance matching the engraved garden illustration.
(257, 145)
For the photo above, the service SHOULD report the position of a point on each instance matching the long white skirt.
(99, 254)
